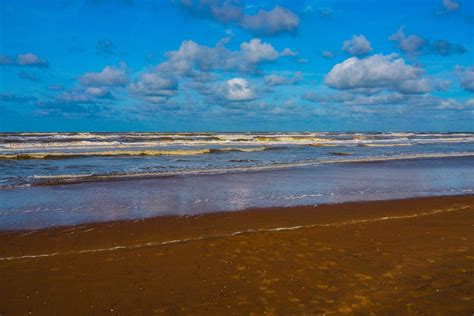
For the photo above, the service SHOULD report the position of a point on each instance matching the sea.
(63, 179)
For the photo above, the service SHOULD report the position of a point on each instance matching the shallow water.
(69, 204)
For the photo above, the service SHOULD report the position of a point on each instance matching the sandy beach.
(413, 256)
(236, 157)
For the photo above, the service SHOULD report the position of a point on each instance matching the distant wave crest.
(115, 153)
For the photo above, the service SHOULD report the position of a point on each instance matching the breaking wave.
(117, 153)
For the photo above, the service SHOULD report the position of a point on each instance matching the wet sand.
(413, 256)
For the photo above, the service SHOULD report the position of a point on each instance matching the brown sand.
(412, 256)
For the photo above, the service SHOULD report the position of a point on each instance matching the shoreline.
(395, 256)
(302, 208)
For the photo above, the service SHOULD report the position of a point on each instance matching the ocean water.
(53, 158)
(55, 179)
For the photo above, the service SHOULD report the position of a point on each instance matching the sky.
(235, 65)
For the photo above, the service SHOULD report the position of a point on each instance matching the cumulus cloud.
(450, 5)
(74, 97)
(256, 51)
(466, 77)
(328, 98)
(91, 101)
(414, 86)
(238, 89)
(30, 59)
(192, 57)
(277, 80)
(451, 104)
(394, 100)
(288, 52)
(109, 76)
(379, 99)
(328, 54)
(378, 72)
(445, 48)
(98, 92)
(374, 71)
(6, 60)
(411, 44)
(25, 60)
(272, 22)
(357, 45)
(198, 65)
(154, 88)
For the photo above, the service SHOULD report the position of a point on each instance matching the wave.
(118, 153)
(79, 178)
(300, 138)
(340, 153)
(383, 145)
(13, 142)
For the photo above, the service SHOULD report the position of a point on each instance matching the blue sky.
(184, 65)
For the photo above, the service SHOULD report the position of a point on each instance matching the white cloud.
(450, 5)
(276, 21)
(414, 86)
(26, 60)
(277, 80)
(451, 104)
(445, 48)
(238, 89)
(328, 98)
(74, 97)
(109, 76)
(154, 88)
(373, 71)
(380, 72)
(392, 99)
(255, 51)
(6, 60)
(30, 59)
(288, 52)
(410, 44)
(272, 22)
(357, 45)
(466, 77)
(380, 99)
(413, 44)
(98, 92)
(198, 65)
(192, 57)
(328, 54)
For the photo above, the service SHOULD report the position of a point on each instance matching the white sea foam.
(39, 141)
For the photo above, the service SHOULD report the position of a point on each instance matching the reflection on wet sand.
(393, 257)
